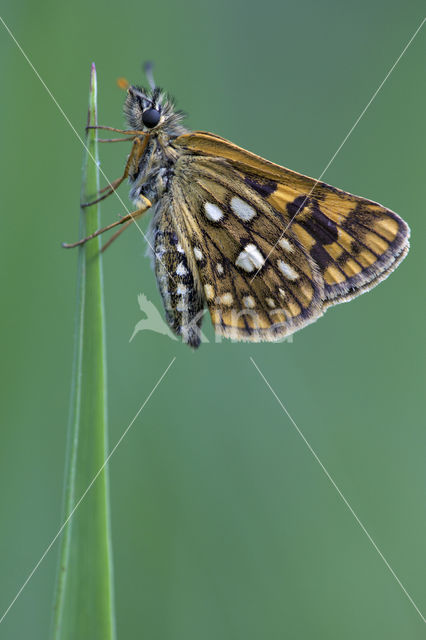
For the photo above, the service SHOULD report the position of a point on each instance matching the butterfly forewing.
(355, 242)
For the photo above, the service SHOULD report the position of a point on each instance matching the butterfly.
(265, 249)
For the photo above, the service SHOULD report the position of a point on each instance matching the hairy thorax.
(151, 175)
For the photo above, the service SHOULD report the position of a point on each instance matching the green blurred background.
(224, 525)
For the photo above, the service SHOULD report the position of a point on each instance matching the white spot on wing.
(250, 259)
(287, 270)
(249, 302)
(213, 212)
(284, 243)
(219, 268)
(227, 299)
(181, 270)
(181, 289)
(242, 209)
(179, 248)
(198, 253)
(209, 291)
(270, 303)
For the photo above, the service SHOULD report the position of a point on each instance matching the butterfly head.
(152, 110)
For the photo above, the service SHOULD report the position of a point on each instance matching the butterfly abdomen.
(177, 279)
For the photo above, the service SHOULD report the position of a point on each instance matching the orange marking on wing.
(332, 275)
(334, 250)
(307, 293)
(351, 268)
(294, 308)
(337, 206)
(303, 236)
(366, 258)
(278, 316)
(377, 244)
(387, 227)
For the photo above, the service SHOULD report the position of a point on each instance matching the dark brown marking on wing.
(263, 187)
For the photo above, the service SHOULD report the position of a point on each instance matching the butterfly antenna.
(135, 91)
(148, 68)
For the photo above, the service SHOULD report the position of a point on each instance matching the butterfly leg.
(138, 148)
(110, 188)
(126, 131)
(115, 235)
(115, 139)
(124, 220)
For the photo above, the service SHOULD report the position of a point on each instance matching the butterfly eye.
(151, 117)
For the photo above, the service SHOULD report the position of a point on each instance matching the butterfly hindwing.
(232, 229)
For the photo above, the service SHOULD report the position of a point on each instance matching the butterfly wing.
(277, 247)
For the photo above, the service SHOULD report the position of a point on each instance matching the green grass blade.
(84, 595)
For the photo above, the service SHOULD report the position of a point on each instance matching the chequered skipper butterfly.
(267, 249)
